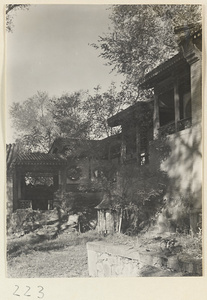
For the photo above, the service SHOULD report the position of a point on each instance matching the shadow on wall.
(183, 167)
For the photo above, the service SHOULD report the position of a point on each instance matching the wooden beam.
(156, 117)
(176, 104)
(137, 131)
(123, 146)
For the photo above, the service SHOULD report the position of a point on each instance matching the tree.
(33, 122)
(142, 37)
(69, 116)
(103, 105)
(39, 119)
(10, 8)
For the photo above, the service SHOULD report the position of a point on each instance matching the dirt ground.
(32, 256)
(65, 256)
(69, 262)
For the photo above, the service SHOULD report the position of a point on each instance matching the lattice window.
(23, 204)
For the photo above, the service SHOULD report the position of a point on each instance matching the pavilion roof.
(105, 203)
(176, 63)
(37, 158)
(85, 148)
(130, 113)
(11, 153)
(163, 70)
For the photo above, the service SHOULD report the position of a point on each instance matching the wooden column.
(19, 192)
(64, 179)
(176, 104)
(196, 88)
(109, 153)
(15, 196)
(138, 150)
(89, 169)
(23, 186)
(156, 117)
(123, 146)
(55, 181)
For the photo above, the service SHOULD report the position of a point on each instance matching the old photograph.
(103, 140)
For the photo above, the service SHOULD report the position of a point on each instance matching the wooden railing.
(24, 204)
(184, 124)
(171, 128)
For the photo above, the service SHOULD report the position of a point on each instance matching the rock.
(73, 220)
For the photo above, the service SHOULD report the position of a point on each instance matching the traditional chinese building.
(72, 166)
(159, 136)
(33, 179)
(165, 135)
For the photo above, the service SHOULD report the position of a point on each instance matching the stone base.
(109, 260)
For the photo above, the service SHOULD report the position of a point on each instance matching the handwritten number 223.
(40, 292)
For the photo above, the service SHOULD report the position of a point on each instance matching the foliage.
(139, 205)
(40, 119)
(68, 115)
(64, 200)
(142, 36)
(101, 106)
(33, 123)
(10, 8)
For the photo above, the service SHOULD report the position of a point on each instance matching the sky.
(49, 50)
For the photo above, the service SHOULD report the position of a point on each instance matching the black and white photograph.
(103, 140)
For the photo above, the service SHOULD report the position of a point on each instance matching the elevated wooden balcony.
(171, 128)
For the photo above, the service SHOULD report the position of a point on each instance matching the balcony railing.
(23, 204)
(171, 128)
(184, 124)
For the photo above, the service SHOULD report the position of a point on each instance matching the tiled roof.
(189, 30)
(105, 203)
(11, 152)
(108, 202)
(85, 148)
(184, 33)
(38, 158)
(168, 65)
(129, 112)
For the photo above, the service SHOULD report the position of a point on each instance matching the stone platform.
(111, 260)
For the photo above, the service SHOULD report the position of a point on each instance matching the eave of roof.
(38, 158)
(188, 31)
(163, 70)
(105, 203)
(87, 148)
(184, 33)
(11, 153)
(117, 119)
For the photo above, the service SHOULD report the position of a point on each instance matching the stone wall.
(175, 164)
(105, 260)
(179, 156)
(110, 260)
